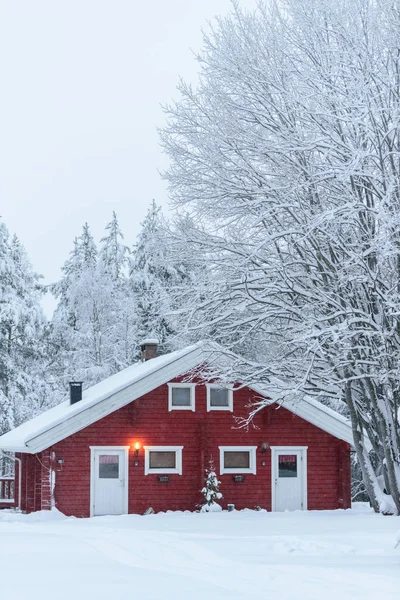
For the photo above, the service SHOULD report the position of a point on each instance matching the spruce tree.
(211, 491)
(79, 320)
(154, 275)
(93, 325)
(113, 265)
(22, 326)
(113, 253)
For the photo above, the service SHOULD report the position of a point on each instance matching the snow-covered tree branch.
(286, 156)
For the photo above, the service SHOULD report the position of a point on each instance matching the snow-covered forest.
(109, 298)
(284, 245)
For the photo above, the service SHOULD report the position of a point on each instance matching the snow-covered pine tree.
(80, 319)
(22, 327)
(93, 325)
(153, 275)
(113, 253)
(82, 260)
(211, 491)
(113, 268)
(87, 249)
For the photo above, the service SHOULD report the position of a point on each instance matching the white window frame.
(178, 460)
(252, 462)
(215, 386)
(191, 386)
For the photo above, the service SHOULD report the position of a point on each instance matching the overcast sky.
(81, 86)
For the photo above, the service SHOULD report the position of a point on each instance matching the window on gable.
(163, 459)
(219, 398)
(181, 396)
(237, 459)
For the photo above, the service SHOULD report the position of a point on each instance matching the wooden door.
(289, 479)
(109, 481)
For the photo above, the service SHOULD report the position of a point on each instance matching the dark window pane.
(237, 460)
(287, 465)
(181, 396)
(108, 466)
(162, 460)
(218, 397)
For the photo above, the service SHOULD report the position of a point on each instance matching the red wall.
(148, 421)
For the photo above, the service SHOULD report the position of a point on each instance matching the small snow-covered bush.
(211, 491)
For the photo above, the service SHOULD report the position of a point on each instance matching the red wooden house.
(143, 438)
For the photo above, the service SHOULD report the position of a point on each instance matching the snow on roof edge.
(19, 437)
(298, 405)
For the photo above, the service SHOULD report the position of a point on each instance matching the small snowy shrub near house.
(211, 491)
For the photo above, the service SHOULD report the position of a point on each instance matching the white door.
(109, 481)
(289, 479)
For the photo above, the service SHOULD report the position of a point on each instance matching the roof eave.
(16, 449)
(336, 426)
(115, 401)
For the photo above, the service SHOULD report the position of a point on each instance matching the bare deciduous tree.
(287, 156)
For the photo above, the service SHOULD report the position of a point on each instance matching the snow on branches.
(211, 491)
(287, 156)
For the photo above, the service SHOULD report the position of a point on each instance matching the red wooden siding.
(148, 421)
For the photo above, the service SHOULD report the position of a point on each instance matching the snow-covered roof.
(313, 411)
(133, 382)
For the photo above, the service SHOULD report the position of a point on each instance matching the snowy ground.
(297, 556)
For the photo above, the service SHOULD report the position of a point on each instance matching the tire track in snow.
(184, 558)
(174, 556)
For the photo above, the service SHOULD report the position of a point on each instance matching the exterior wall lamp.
(137, 448)
(264, 447)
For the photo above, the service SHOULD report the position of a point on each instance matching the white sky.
(82, 82)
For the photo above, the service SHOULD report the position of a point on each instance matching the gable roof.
(312, 411)
(133, 382)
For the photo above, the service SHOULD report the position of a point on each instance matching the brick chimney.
(148, 349)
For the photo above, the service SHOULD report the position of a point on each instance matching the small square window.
(163, 459)
(219, 398)
(237, 459)
(181, 396)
